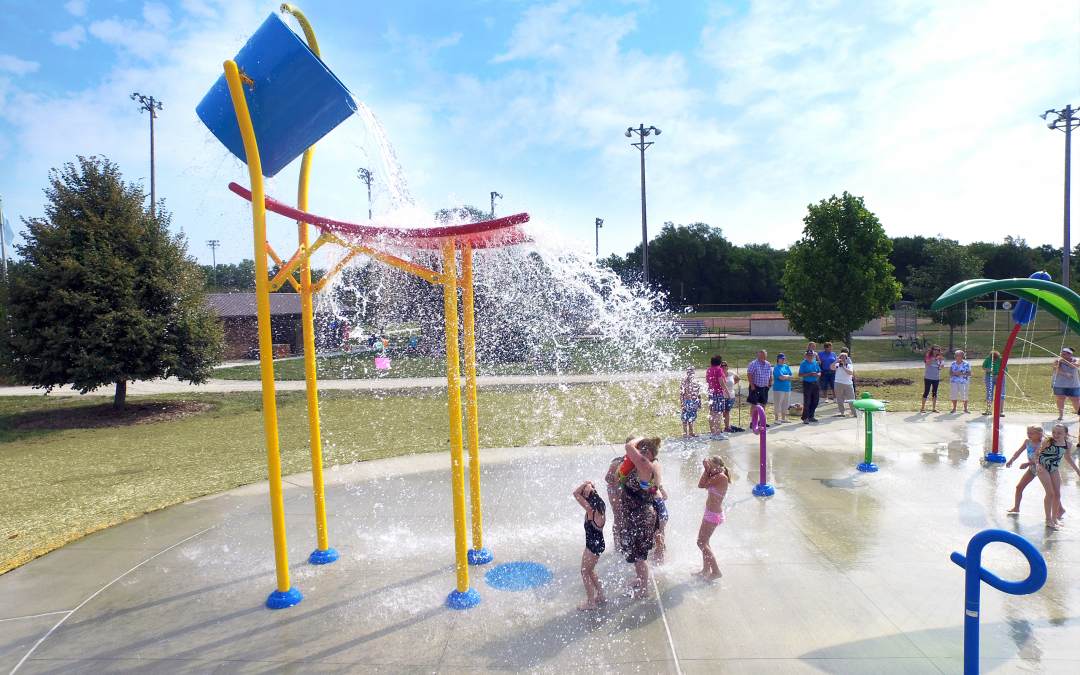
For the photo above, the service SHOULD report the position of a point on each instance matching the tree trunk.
(847, 341)
(121, 395)
(950, 339)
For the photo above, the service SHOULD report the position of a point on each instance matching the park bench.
(691, 326)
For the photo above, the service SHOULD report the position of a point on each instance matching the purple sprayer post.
(758, 423)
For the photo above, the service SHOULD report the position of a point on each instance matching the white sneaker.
(719, 437)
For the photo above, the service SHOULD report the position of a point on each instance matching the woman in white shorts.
(959, 377)
(844, 386)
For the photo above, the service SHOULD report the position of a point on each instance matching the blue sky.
(926, 109)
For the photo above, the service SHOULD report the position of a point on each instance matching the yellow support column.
(478, 555)
(285, 595)
(323, 554)
(463, 597)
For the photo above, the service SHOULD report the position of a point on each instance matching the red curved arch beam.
(488, 234)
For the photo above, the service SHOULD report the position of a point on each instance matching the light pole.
(1066, 121)
(213, 244)
(599, 224)
(365, 176)
(642, 131)
(3, 239)
(493, 196)
(151, 105)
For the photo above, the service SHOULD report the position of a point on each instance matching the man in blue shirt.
(828, 375)
(810, 372)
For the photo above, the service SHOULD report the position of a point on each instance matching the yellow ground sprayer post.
(322, 554)
(478, 555)
(462, 597)
(285, 595)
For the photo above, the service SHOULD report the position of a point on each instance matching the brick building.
(238, 312)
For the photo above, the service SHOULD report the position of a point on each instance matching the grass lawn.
(1027, 390)
(587, 356)
(60, 485)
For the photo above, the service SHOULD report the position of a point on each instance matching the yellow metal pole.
(323, 553)
(478, 555)
(453, 387)
(285, 596)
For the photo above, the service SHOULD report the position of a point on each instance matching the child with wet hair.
(595, 511)
(714, 479)
(690, 400)
(1031, 445)
(1046, 461)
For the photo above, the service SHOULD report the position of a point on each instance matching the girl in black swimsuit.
(595, 510)
(1047, 459)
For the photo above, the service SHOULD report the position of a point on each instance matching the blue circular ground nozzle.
(466, 600)
(518, 576)
(867, 467)
(318, 557)
(763, 490)
(279, 600)
(995, 458)
(481, 557)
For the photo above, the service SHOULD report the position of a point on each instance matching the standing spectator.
(826, 359)
(1066, 382)
(781, 389)
(934, 362)
(959, 377)
(718, 397)
(992, 366)
(730, 380)
(810, 372)
(759, 373)
(844, 374)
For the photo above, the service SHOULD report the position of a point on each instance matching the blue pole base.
(318, 557)
(995, 458)
(458, 600)
(868, 467)
(279, 600)
(764, 490)
(481, 557)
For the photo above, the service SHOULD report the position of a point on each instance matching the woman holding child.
(640, 480)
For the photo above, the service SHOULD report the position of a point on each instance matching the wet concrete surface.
(839, 572)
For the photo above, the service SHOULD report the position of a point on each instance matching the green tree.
(106, 294)
(838, 276)
(949, 264)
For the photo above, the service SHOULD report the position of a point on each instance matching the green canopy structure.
(1035, 292)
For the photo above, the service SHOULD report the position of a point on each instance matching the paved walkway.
(839, 572)
(171, 386)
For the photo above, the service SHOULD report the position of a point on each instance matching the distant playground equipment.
(274, 102)
(975, 574)
(758, 423)
(1036, 292)
(868, 406)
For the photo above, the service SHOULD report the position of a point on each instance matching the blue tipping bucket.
(295, 102)
(1024, 311)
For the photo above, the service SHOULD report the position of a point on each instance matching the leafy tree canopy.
(948, 263)
(106, 294)
(838, 276)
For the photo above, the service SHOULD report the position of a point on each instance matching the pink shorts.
(714, 518)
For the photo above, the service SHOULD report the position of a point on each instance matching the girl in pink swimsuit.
(714, 479)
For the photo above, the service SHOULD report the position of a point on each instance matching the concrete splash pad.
(839, 572)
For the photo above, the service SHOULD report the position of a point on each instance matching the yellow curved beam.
(262, 301)
(307, 315)
(288, 8)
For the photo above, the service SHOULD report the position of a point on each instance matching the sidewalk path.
(173, 386)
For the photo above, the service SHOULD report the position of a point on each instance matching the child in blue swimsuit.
(1047, 460)
(1031, 445)
(690, 397)
(595, 511)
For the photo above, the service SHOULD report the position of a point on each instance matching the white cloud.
(76, 7)
(16, 66)
(71, 37)
(142, 40)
